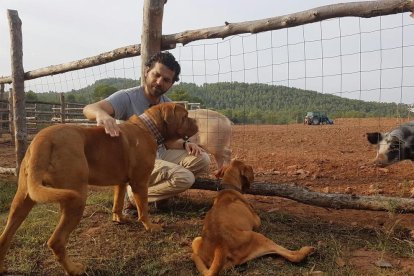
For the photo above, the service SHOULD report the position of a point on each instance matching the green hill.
(252, 103)
(86, 94)
(262, 103)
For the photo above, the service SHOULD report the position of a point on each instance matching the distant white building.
(189, 106)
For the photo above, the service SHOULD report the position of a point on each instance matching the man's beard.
(158, 92)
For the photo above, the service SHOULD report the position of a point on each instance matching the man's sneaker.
(162, 205)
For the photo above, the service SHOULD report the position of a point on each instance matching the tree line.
(244, 103)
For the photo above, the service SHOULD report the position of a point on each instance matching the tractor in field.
(317, 118)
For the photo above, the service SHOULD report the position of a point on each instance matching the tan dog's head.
(172, 121)
(237, 173)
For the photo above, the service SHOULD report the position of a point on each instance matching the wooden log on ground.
(328, 200)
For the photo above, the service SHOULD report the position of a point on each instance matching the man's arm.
(101, 112)
(191, 148)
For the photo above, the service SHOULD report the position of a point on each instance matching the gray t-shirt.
(132, 101)
(128, 102)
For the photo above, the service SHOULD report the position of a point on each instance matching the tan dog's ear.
(221, 171)
(248, 173)
(168, 112)
(247, 177)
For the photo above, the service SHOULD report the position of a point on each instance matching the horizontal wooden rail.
(364, 9)
(68, 108)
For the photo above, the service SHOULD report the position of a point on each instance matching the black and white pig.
(394, 146)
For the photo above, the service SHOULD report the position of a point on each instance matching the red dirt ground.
(326, 158)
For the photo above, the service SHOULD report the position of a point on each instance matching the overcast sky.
(59, 31)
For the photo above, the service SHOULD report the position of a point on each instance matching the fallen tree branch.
(124, 52)
(329, 200)
(306, 196)
(363, 9)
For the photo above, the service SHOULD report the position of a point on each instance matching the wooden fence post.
(151, 31)
(35, 112)
(15, 25)
(1, 91)
(11, 119)
(1, 108)
(62, 108)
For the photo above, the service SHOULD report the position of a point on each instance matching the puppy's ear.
(221, 171)
(247, 172)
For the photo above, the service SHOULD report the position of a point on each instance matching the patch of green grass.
(108, 248)
(7, 191)
(29, 249)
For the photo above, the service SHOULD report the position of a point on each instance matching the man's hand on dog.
(109, 123)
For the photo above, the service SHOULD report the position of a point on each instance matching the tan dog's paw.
(121, 219)
(73, 268)
(301, 254)
(152, 227)
(307, 250)
(3, 269)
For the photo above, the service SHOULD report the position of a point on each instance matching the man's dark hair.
(167, 59)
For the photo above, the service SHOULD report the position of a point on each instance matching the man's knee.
(182, 178)
(200, 164)
(204, 159)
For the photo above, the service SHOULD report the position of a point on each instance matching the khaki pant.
(174, 173)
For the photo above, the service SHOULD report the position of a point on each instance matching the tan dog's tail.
(34, 168)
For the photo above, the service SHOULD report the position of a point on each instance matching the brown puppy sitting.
(228, 238)
(63, 160)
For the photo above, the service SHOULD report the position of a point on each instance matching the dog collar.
(153, 128)
(224, 186)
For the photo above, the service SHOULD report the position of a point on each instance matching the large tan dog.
(228, 238)
(214, 134)
(62, 160)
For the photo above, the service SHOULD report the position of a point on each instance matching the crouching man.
(178, 162)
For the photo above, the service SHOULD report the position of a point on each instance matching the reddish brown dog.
(63, 160)
(228, 238)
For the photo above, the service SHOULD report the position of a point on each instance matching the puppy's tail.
(33, 171)
(220, 253)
